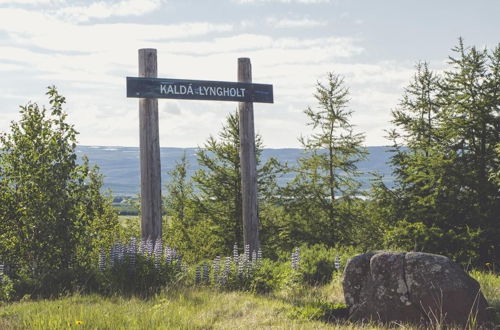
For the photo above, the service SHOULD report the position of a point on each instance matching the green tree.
(324, 192)
(52, 213)
(179, 203)
(218, 188)
(447, 128)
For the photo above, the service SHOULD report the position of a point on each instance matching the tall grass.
(199, 308)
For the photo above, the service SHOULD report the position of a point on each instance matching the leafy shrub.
(317, 264)
(6, 288)
(461, 247)
(270, 276)
(53, 215)
(143, 270)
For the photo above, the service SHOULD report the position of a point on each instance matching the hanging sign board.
(165, 88)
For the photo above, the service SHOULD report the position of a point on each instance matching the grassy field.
(196, 308)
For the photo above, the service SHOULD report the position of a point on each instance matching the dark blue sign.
(164, 88)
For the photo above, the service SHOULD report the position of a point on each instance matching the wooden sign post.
(150, 153)
(148, 88)
(248, 167)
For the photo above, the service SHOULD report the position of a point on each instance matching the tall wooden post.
(248, 163)
(150, 152)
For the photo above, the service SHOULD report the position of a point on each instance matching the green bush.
(461, 246)
(52, 213)
(6, 288)
(317, 264)
(269, 277)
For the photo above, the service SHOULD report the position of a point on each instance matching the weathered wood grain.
(248, 163)
(149, 153)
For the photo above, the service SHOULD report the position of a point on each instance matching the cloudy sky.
(87, 48)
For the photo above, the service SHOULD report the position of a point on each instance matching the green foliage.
(145, 277)
(417, 236)
(210, 205)
(269, 276)
(317, 264)
(6, 288)
(53, 215)
(322, 192)
(445, 160)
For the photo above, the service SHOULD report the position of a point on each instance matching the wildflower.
(158, 248)
(149, 247)
(1, 273)
(142, 247)
(197, 275)
(79, 322)
(206, 277)
(296, 259)
(131, 252)
(168, 255)
(102, 261)
(216, 268)
(337, 262)
(247, 252)
(120, 253)
(235, 253)
(112, 256)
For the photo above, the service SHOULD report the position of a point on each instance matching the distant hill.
(120, 165)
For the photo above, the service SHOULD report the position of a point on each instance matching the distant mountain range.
(120, 165)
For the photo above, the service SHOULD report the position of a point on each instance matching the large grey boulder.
(412, 287)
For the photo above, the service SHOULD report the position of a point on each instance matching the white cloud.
(35, 29)
(89, 62)
(102, 9)
(295, 23)
(284, 1)
(25, 2)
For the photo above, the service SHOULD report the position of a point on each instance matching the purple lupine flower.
(247, 252)
(112, 256)
(241, 267)
(102, 260)
(206, 275)
(227, 271)
(197, 276)
(149, 247)
(168, 255)
(142, 247)
(120, 253)
(235, 254)
(337, 262)
(216, 269)
(295, 259)
(2, 272)
(179, 262)
(132, 252)
(158, 248)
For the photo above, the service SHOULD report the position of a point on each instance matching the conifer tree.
(326, 186)
(443, 165)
